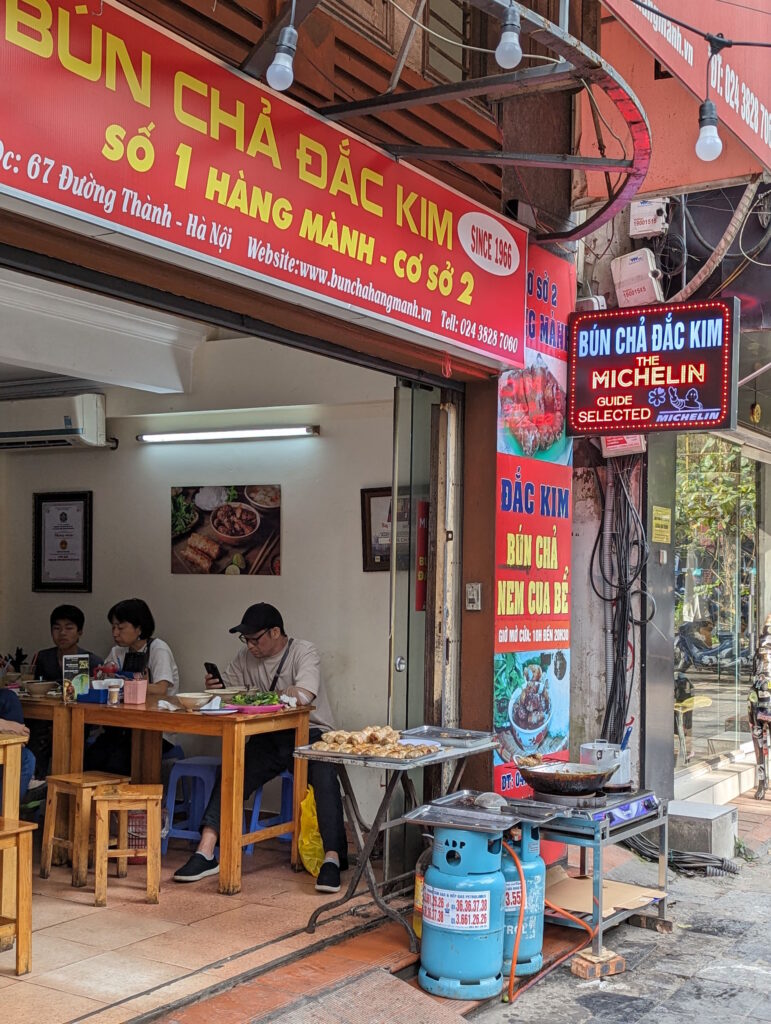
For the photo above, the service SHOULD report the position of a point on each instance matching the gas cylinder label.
(534, 897)
(456, 911)
(513, 895)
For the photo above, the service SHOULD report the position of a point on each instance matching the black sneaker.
(197, 867)
(329, 877)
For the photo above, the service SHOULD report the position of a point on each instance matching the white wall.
(322, 592)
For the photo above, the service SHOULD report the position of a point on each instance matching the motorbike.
(692, 650)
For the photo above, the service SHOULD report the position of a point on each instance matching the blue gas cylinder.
(529, 956)
(461, 949)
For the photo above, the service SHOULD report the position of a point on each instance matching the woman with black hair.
(137, 650)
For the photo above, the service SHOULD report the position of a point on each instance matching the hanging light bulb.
(508, 52)
(280, 74)
(709, 145)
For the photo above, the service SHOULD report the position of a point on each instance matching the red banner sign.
(531, 644)
(532, 554)
(739, 82)
(670, 367)
(113, 120)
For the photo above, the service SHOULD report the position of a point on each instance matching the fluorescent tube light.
(249, 434)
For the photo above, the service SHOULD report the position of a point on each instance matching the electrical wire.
(763, 241)
(685, 863)
(593, 102)
(628, 558)
(464, 46)
(715, 41)
(716, 258)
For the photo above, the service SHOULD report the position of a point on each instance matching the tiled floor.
(108, 965)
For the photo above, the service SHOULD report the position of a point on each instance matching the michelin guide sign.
(670, 367)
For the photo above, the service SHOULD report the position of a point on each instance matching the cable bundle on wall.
(618, 559)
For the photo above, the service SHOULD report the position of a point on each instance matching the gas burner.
(588, 801)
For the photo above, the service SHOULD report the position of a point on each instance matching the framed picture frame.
(62, 545)
(377, 511)
(376, 529)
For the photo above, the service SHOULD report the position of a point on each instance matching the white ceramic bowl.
(193, 701)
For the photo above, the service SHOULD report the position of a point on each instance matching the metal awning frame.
(578, 68)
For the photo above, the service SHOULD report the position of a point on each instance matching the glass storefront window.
(716, 563)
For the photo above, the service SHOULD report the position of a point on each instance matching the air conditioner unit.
(76, 421)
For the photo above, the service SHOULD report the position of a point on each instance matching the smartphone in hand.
(212, 670)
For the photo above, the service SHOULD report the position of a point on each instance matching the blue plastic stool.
(198, 776)
(285, 814)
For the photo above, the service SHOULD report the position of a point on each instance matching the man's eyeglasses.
(252, 641)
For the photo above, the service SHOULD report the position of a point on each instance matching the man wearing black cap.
(270, 660)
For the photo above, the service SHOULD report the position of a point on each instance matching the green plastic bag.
(309, 843)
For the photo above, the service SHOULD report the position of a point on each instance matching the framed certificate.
(62, 541)
(377, 512)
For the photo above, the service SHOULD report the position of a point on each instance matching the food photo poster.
(531, 644)
(227, 529)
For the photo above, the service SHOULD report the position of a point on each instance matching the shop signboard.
(122, 124)
(531, 645)
(654, 368)
(738, 78)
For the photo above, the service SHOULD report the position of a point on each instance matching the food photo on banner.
(230, 529)
(531, 397)
(531, 693)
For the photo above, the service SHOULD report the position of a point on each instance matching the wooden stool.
(80, 787)
(11, 745)
(124, 798)
(17, 836)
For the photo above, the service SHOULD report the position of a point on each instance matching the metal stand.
(396, 773)
(364, 850)
(587, 833)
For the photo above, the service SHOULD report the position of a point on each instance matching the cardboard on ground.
(575, 894)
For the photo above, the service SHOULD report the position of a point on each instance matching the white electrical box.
(648, 217)
(637, 278)
(473, 597)
(614, 445)
(590, 304)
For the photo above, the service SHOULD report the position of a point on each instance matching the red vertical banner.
(421, 557)
(531, 645)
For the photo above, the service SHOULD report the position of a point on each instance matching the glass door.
(715, 587)
(414, 477)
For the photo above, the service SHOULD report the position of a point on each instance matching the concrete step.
(700, 827)
(718, 782)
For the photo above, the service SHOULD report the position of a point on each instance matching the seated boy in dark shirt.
(67, 621)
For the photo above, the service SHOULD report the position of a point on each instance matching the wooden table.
(148, 723)
(11, 744)
(55, 711)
